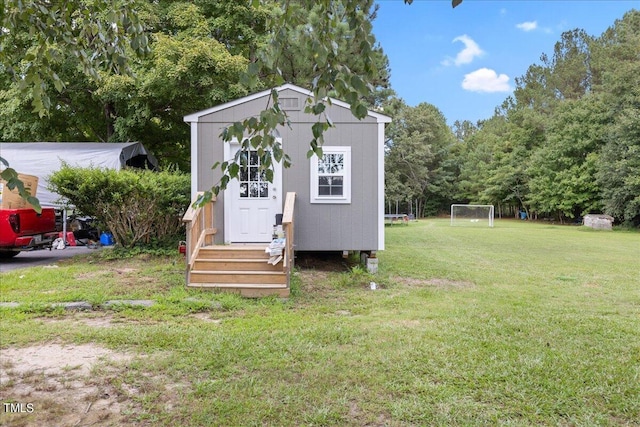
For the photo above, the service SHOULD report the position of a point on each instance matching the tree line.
(567, 142)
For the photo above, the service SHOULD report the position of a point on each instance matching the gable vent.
(290, 103)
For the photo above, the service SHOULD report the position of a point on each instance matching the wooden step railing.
(200, 231)
(288, 227)
(200, 223)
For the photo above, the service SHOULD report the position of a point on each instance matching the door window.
(253, 181)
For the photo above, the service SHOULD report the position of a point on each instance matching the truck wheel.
(8, 254)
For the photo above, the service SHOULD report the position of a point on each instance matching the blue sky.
(465, 60)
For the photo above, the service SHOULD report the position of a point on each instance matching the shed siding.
(336, 227)
(328, 227)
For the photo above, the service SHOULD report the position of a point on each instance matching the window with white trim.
(331, 176)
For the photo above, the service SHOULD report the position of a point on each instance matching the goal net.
(474, 215)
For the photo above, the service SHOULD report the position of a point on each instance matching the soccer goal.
(476, 215)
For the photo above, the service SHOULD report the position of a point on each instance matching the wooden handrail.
(200, 223)
(287, 226)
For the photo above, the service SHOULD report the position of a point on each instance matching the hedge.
(136, 206)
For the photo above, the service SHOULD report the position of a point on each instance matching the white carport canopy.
(43, 158)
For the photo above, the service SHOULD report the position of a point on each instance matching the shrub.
(136, 206)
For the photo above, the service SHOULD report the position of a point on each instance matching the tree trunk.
(109, 116)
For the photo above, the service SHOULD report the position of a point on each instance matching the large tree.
(563, 171)
(416, 166)
(616, 57)
(186, 69)
(37, 34)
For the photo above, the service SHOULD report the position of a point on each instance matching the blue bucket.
(106, 239)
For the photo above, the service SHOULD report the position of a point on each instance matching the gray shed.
(339, 202)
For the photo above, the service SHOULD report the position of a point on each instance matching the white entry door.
(252, 202)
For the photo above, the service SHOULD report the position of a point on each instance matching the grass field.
(523, 324)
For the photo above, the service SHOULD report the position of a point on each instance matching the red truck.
(26, 230)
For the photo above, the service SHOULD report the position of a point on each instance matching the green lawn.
(523, 324)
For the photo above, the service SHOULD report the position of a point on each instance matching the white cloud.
(486, 80)
(527, 26)
(467, 55)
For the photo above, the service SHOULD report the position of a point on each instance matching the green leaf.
(287, 161)
(234, 169)
(318, 108)
(238, 130)
(35, 203)
(256, 141)
(359, 85)
(266, 161)
(317, 128)
(361, 111)
(57, 83)
(9, 173)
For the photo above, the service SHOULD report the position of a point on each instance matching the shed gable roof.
(380, 118)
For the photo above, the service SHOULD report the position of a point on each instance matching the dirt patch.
(57, 384)
(53, 384)
(343, 313)
(206, 317)
(92, 275)
(311, 277)
(106, 321)
(56, 359)
(99, 320)
(125, 270)
(316, 283)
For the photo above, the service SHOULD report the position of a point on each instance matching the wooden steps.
(226, 264)
(241, 269)
(242, 277)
